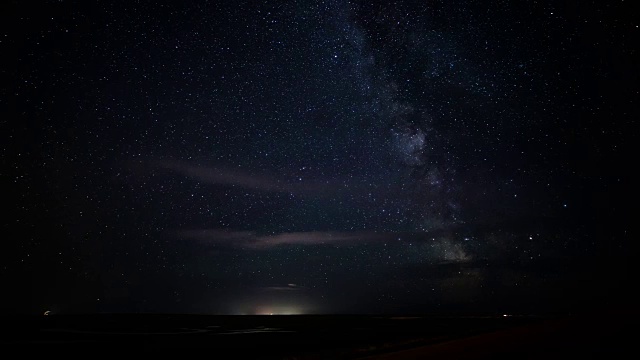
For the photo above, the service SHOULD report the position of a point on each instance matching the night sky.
(255, 157)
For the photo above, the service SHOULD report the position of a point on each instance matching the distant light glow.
(278, 310)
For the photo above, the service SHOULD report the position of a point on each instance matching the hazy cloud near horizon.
(219, 175)
(250, 239)
(441, 248)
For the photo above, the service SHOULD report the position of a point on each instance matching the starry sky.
(250, 157)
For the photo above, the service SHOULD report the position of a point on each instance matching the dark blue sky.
(310, 156)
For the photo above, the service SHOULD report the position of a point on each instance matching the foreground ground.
(330, 337)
